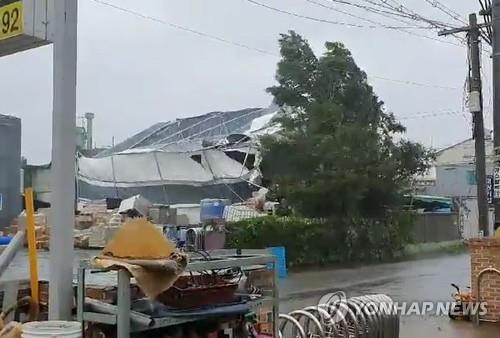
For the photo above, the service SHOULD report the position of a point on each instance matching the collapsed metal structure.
(373, 316)
(183, 161)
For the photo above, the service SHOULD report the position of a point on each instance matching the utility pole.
(476, 104)
(495, 22)
(63, 160)
(476, 109)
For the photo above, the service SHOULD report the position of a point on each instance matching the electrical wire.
(184, 28)
(448, 11)
(400, 9)
(425, 113)
(488, 18)
(307, 17)
(241, 45)
(430, 115)
(396, 15)
(486, 32)
(418, 84)
(382, 11)
(362, 18)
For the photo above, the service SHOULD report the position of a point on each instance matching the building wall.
(454, 171)
(463, 152)
(10, 169)
(38, 178)
(456, 180)
(485, 254)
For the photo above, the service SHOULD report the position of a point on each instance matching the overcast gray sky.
(133, 72)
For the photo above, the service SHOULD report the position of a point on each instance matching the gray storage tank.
(10, 169)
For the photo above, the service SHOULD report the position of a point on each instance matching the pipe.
(135, 317)
(90, 130)
(10, 251)
(478, 288)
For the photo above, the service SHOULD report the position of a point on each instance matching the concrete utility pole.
(495, 22)
(476, 109)
(476, 104)
(63, 160)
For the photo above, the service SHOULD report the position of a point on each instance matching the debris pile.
(195, 226)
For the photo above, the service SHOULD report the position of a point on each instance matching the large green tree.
(338, 152)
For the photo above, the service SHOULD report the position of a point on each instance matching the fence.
(436, 227)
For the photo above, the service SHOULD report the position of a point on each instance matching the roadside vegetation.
(339, 165)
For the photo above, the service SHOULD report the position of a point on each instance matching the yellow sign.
(11, 18)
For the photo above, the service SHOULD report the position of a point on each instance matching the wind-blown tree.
(336, 153)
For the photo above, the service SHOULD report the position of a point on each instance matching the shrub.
(325, 241)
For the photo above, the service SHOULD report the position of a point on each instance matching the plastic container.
(52, 329)
(280, 253)
(213, 209)
(4, 240)
(190, 292)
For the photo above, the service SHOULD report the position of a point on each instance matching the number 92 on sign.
(11, 18)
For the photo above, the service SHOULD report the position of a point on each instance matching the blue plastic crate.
(280, 252)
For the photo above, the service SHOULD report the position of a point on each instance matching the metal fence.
(367, 316)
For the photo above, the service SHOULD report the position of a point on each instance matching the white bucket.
(52, 329)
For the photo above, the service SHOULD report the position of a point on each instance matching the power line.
(448, 11)
(360, 17)
(430, 115)
(383, 12)
(397, 7)
(418, 84)
(241, 45)
(395, 15)
(421, 113)
(407, 12)
(308, 17)
(486, 33)
(184, 28)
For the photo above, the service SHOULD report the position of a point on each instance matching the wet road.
(419, 280)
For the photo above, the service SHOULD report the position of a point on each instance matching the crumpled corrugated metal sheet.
(189, 132)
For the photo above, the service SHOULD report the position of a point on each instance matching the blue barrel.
(280, 253)
(213, 209)
(4, 240)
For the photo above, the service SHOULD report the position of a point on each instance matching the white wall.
(469, 218)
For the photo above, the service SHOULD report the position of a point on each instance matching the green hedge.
(318, 241)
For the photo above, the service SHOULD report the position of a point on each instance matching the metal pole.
(63, 160)
(496, 94)
(475, 91)
(123, 303)
(90, 130)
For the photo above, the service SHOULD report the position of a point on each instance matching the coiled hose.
(373, 316)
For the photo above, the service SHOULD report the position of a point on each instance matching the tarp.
(161, 168)
(429, 202)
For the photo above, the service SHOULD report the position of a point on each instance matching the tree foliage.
(338, 153)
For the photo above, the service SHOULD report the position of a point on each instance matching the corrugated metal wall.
(10, 169)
